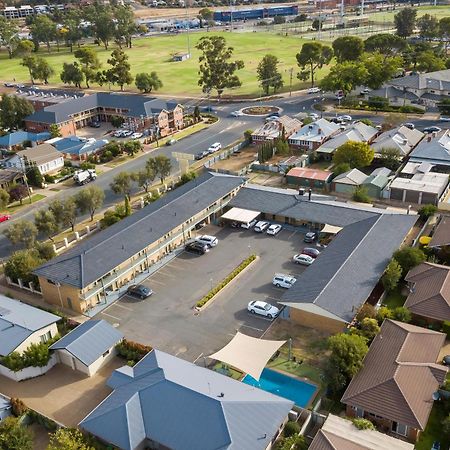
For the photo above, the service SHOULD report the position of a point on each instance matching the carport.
(330, 229)
(240, 215)
(248, 354)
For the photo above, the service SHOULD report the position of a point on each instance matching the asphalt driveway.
(168, 320)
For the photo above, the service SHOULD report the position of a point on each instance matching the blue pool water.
(285, 386)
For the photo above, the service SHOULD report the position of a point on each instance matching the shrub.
(363, 424)
(366, 310)
(18, 407)
(391, 275)
(86, 165)
(132, 351)
(401, 314)
(383, 313)
(49, 178)
(291, 429)
(427, 211)
(408, 258)
(360, 195)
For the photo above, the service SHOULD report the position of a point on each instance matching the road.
(226, 131)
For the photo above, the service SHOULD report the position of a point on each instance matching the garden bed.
(260, 110)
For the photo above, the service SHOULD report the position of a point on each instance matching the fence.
(28, 372)
(75, 237)
(224, 154)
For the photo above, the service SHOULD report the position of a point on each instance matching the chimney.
(309, 194)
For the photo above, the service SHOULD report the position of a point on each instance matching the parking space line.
(110, 315)
(124, 307)
(196, 359)
(157, 282)
(166, 274)
(292, 235)
(252, 328)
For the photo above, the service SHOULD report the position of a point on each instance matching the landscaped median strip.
(247, 261)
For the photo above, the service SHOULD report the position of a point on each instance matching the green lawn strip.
(227, 370)
(154, 53)
(394, 299)
(433, 430)
(14, 207)
(302, 370)
(224, 282)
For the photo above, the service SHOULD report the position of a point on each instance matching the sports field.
(154, 53)
(439, 12)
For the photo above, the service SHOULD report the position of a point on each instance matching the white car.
(261, 226)
(313, 90)
(365, 91)
(284, 281)
(210, 241)
(236, 114)
(313, 116)
(136, 135)
(274, 229)
(118, 133)
(272, 119)
(409, 125)
(263, 308)
(127, 133)
(345, 118)
(215, 147)
(305, 260)
(444, 119)
(248, 225)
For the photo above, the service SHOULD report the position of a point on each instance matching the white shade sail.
(331, 229)
(240, 215)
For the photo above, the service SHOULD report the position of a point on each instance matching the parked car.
(365, 91)
(140, 291)
(313, 252)
(272, 119)
(196, 247)
(210, 241)
(215, 147)
(94, 124)
(284, 281)
(310, 237)
(305, 260)
(236, 113)
(261, 226)
(432, 129)
(313, 116)
(313, 90)
(409, 125)
(248, 225)
(345, 118)
(118, 133)
(127, 133)
(263, 308)
(4, 218)
(444, 119)
(136, 135)
(274, 229)
(171, 141)
(201, 155)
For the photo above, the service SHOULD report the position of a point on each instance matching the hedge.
(224, 282)
(132, 351)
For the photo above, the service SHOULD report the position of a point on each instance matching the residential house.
(22, 325)
(17, 139)
(167, 403)
(139, 112)
(340, 434)
(395, 96)
(401, 138)
(429, 292)
(441, 234)
(309, 178)
(88, 347)
(377, 181)
(327, 294)
(357, 132)
(313, 135)
(44, 156)
(275, 129)
(83, 276)
(77, 148)
(347, 182)
(8, 177)
(434, 149)
(395, 387)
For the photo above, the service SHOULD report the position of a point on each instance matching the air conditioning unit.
(293, 415)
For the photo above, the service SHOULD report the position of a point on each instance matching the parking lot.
(168, 320)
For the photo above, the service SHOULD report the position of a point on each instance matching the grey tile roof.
(18, 321)
(88, 341)
(402, 138)
(433, 149)
(439, 80)
(392, 92)
(136, 105)
(98, 255)
(183, 407)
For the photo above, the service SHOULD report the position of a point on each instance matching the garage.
(240, 216)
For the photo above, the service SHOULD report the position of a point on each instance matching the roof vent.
(221, 395)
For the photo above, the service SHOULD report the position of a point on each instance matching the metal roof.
(353, 177)
(18, 321)
(433, 149)
(402, 138)
(88, 341)
(182, 406)
(104, 251)
(18, 137)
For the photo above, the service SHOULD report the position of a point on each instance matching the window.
(46, 337)
(399, 428)
(359, 412)
(105, 354)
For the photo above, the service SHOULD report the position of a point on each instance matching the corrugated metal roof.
(18, 137)
(184, 407)
(433, 149)
(88, 341)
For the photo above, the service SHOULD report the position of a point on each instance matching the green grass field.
(154, 53)
(438, 11)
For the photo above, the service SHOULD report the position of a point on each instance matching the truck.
(84, 176)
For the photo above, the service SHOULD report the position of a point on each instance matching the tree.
(391, 275)
(72, 74)
(216, 69)
(146, 177)
(89, 63)
(268, 74)
(125, 25)
(119, 73)
(390, 157)
(444, 31)
(147, 82)
(21, 264)
(356, 154)
(385, 44)
(68, 439)
(402, 314)
(360, 195)
(409, 257)
(444, 106)
(4, 199)
(383, 313)
(34, 176)
(348, 48)
(428, 26)
(345, 361)
(18, 192)
(89, 200)
(122, 184)
(205, 14)
(22, 232)
(42, 70)
(24, 47)
(103, 24)
(427, 211)
(43, 29)
(46, 223)
(316, 24)
(54, 131)
(380, 68)
(8, 34)
(72, 28)
(30, 62)
(132, 147)
(429, 62)
(65, 212)
(345, 76)
(14, 436)
(405, 22)
(369, 328)
(338, 169)
(365, 311)
(312, 56)
(163, 167)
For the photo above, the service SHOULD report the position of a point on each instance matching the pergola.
(240, 215)
(248, 354)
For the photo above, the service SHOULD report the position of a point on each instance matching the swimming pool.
(285, 386)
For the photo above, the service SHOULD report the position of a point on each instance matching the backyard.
(433, 431)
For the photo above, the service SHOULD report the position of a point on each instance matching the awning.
(248, 354)
(240, 215)
(331, 229)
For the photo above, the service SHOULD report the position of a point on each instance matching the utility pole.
(187, 24)
(291, 72)
(24, 170)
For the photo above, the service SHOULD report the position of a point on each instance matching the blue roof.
(88, 341)
(182, 406)
(18, 137)
(18, 321)
(78, 146)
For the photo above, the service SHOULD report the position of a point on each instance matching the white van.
(215, 147)
(284, 281)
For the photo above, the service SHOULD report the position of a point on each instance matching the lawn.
(26, 201)
(433, 430)
(394, 299)
(154, 53)
(298, 369)
(438, 11)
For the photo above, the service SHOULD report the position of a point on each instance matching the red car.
(4, 218)
(313, 252)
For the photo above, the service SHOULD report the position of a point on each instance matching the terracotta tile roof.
(399, 375)
(441, 236)
(311, 174)
(430, 292)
